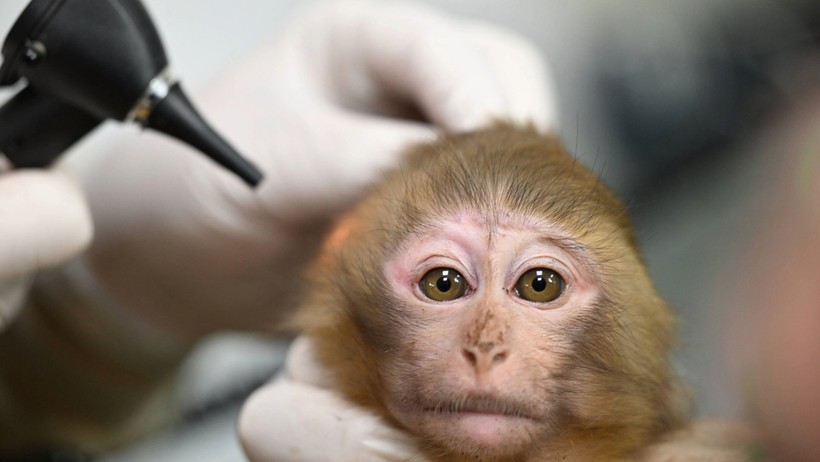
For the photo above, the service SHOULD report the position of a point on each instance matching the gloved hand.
(183, 248)
(281, 421)
(499, 75)
(44, 221)
(189, 248)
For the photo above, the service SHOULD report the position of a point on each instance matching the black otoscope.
(85, 61)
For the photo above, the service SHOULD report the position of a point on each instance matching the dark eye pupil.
(539, 284)
(443, 284)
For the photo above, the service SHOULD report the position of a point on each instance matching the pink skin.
(485, 357)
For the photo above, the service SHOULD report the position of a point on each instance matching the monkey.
(489, 297)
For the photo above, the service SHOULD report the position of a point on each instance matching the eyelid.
(550, 263)
(442, 261)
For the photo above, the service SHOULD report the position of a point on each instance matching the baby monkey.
(489, 298)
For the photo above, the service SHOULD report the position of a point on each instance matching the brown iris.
(443, 284)
(540, 285)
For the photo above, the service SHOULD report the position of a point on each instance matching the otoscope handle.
(35, 128)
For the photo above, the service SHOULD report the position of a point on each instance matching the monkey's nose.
(484, 356)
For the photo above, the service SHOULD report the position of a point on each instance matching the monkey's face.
(490, 298)
(491, 302)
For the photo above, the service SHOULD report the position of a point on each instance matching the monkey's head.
(489, 297)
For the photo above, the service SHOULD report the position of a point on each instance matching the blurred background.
(687, 109)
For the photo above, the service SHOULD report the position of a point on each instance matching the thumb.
(362, 148)
(44, 220)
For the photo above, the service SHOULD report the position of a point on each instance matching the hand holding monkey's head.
(489, 297)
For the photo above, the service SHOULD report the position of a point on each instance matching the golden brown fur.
(607, 388)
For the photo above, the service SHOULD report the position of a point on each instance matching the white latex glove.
(183, 248)
(298, 418)
(44, 221)
(186, 246)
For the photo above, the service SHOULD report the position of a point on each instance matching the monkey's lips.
(486, 423)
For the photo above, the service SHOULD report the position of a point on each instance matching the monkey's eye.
(540, 285)
(443, 284)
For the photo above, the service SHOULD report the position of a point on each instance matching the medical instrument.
(85, 61)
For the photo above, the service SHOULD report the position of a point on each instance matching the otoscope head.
(175, 116)
(105, 59)
(99, 55)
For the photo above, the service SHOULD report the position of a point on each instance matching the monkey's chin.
(482, 434)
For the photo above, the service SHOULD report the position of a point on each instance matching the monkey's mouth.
(481, 406)
(486, 423)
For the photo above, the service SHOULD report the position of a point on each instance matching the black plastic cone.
(176, 116)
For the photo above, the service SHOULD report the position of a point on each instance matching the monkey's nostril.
(483, 360)
(471, 357)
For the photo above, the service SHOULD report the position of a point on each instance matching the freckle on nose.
(485, 347)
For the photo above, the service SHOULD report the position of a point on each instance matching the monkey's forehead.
(482, 234)
(580, 224)
(505, 176)
(491, 221)
(501, 168)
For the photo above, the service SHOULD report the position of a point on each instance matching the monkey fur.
(489, 376)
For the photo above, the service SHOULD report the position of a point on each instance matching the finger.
(340, 155)
(390, 448)
(523, 75)
(274, 422)
(416, 54)
(44, 220)
(427, 56)
(302, 365)
(292, 421)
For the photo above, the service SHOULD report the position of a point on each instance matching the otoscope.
(85, 61)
